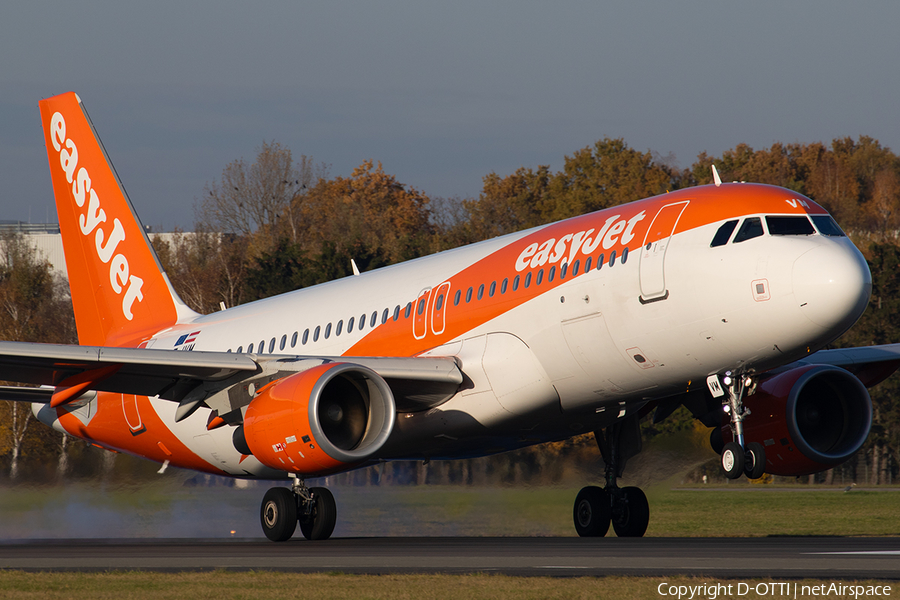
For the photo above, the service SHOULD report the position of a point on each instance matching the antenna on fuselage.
(716, 179)
(355, 269)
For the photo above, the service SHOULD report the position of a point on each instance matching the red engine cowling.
(321, 420)
(809, 419)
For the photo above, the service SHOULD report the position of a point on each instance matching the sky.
(441, 93)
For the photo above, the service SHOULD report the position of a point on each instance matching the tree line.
(277, 224)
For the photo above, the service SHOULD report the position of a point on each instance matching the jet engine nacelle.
(319, 420)
(809, 419)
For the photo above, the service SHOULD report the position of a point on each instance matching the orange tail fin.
(119, 291)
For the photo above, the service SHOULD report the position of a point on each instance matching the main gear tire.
(631, 515)
(278, 514)
(319, 525)
(591, 512)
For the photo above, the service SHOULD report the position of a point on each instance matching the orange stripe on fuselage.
(576, 239)
(110, 428)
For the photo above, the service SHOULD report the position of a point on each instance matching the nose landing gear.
(313, 508)
(740, 458)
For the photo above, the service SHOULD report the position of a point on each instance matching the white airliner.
(715, 297)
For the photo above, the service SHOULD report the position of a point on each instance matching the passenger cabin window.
(750, 228)
(339, 327)
(503, 286)
(374, 319)
(408, 310)
(624, 256)
(240, 349)
(481, 291)
(250, 349)
(384, 316)
(587, 264)
(600, 261)
(283, 342)
(516, 283)
(294, 340)
(575, 268)
(827, 226)
(362, 321)
(316, 333)
(328, 331)
(305, 336)
(540, 277)
(795, 225)
(527, 279)
(456, 297)
(612, 258)
(723, 234)
(468, 295)
(350, 324)
(271, 345)
(492, 289)
(396, 312)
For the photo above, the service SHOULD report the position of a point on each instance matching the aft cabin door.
(653, 252)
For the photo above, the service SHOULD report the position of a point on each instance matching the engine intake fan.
(318, 421)
(809, 419)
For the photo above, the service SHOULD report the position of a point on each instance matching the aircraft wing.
(871, 364)
(172, 375)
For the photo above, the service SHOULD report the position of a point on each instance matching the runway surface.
(773, 557)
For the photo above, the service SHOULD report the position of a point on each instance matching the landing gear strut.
(740, 458)
(313, 508)
(625, 508)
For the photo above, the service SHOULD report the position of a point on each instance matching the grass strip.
(225, 585)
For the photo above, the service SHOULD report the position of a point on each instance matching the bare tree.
(34, 307)
(252, 200)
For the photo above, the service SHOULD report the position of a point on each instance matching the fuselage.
(559, 330)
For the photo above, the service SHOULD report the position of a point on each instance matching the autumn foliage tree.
(606, 174)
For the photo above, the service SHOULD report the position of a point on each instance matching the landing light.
(726, 408)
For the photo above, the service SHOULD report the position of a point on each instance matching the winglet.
(716, 179)
(120, 293)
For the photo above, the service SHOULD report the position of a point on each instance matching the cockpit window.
(827, 226)
(789, 225)
(723, 234)
(750, 229)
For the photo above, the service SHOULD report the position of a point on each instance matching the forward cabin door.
(653, 252)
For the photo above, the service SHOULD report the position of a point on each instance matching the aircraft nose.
(832, 285)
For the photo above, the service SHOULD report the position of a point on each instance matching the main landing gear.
(625, 508)
(739, 458)
(312, 508)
